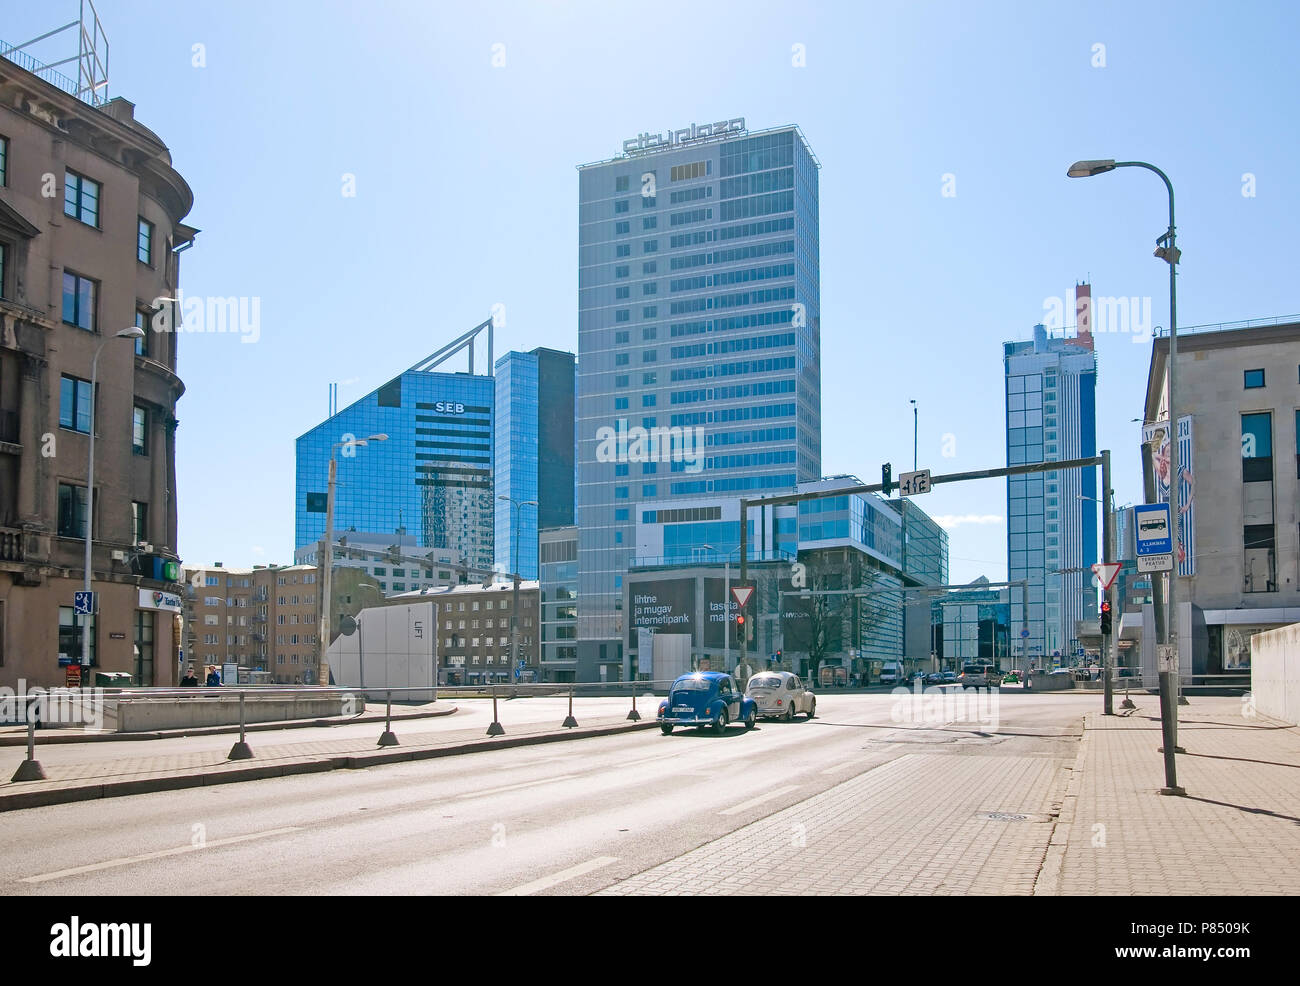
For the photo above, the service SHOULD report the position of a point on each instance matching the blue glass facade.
(698, 310)
(1052, 516)
(534, 453)
(431, 479)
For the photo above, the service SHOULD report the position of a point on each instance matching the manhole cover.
(1002, 816)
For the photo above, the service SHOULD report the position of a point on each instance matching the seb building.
(429, 480)
(699, 343)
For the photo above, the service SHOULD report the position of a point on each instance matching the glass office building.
(698, 341)
(431, 479)
(534, 453)
(1051, 529)
(558, 565)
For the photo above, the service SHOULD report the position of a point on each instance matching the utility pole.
(1108, 555)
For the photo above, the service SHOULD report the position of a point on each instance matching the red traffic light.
(1105, 607)
(740, 619)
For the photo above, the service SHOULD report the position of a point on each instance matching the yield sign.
(1106, 572)
(742, 594)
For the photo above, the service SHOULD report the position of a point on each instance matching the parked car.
(949, 677)
(706, 698)
(781, 695)
(934, 678)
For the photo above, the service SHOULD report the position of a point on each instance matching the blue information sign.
(1152, 528)
(83, 603)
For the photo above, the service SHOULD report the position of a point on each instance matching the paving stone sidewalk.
(921, 824)
(1236, 832)
(72, 772)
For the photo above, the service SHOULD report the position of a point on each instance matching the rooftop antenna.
(91, 85)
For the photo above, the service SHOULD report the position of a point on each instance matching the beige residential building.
(91, 214)
(1239, 401)
(264, 618)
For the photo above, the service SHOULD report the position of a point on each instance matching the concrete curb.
(1048, 882)
(354, 761)
(46, 737)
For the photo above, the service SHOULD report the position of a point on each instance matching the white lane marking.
(514, 787)
(532, 763)
(746, 805)
(159, 854)
(546, 882)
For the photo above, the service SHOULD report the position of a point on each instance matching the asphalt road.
(570, 818)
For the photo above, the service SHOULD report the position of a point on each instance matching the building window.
(139, 522)
(1257, 447)
(622, 315)
(81, 198)
(79, 301)
(650, 311)
(622, 292)
(74, 404)
(144, 241)
(1254, 378)
(622, 227)
(142, 322)
(620, 404)
(648, 400)
(623, 250)
(139, 431)
(70, 630)
(4, 161)
(620, 183)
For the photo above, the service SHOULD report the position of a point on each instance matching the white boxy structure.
(393, 647)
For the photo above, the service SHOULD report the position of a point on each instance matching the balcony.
(11, 545)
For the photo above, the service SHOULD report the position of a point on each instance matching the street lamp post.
(327, 550)
(915, 425)
(132, 333)
(514, 608)
(1166, 250)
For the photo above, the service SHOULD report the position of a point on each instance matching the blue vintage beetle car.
(706, 698)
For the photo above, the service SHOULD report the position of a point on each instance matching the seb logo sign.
(696, 131)
(449, 407)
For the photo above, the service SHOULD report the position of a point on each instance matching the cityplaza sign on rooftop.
(696, 131)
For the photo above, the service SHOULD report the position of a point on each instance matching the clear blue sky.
(466, 197)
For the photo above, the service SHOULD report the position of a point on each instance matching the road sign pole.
(1108, 552)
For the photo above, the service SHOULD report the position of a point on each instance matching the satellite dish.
(348, 625)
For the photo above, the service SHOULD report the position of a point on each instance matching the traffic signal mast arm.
(953, 477)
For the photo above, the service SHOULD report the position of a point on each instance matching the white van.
(891, 673)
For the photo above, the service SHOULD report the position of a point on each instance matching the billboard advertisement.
(665, 606)
(720, 611)
(1186, 549)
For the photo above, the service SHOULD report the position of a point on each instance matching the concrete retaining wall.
(1050, 682)
(137, 715)
(1275, 673)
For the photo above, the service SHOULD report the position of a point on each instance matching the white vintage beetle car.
(781, 695)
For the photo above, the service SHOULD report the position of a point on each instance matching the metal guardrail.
(32, 770)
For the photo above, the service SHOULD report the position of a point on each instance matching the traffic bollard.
(634, 715)
(30, 769)
(388, 739)
(241, 751)
(569, 721)
(495, 729)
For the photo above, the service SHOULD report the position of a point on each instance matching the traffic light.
(1105, 617)
(740, 628)
(887, 478)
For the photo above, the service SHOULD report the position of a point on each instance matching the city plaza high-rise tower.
(699, 343)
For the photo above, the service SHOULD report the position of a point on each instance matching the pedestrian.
(214, 679)
(190, 680)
